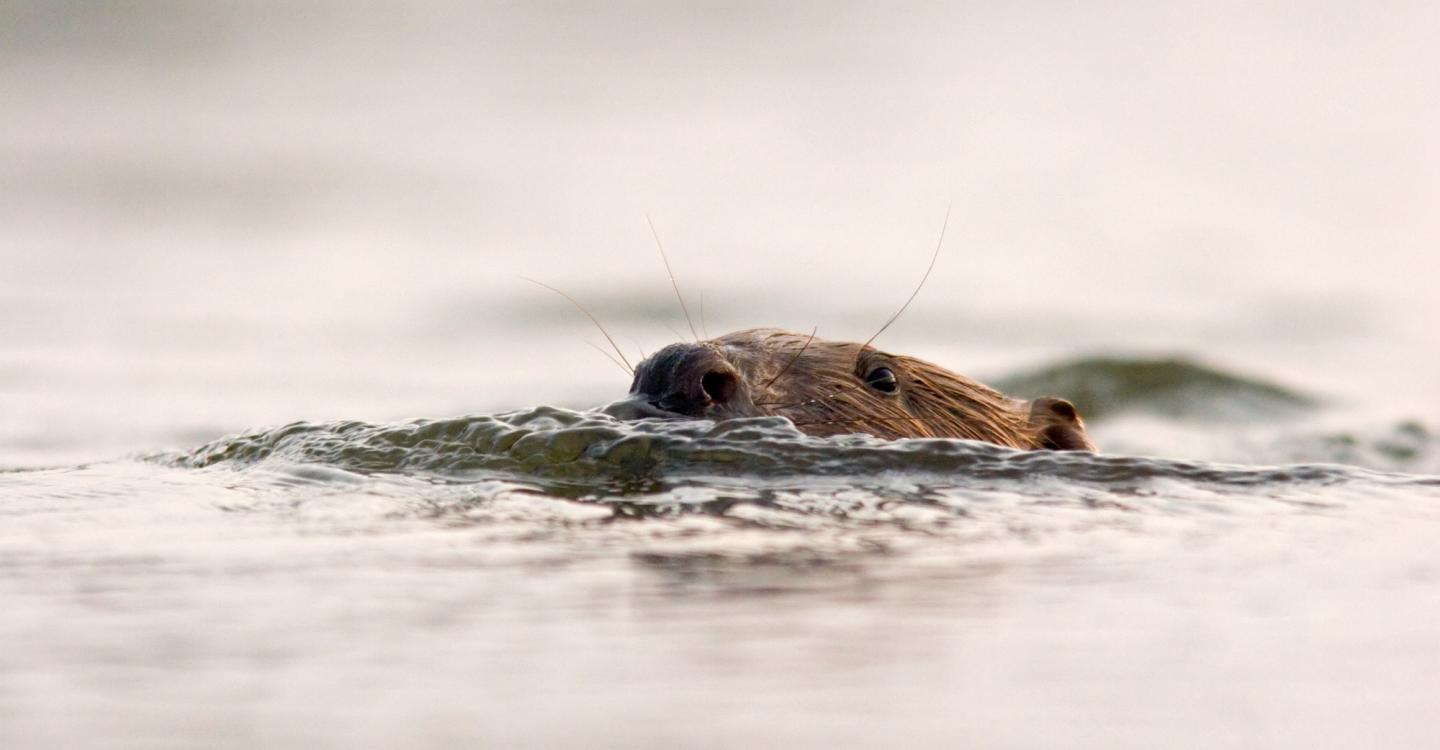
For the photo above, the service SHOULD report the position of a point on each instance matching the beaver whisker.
(703, 331)
(787, 366)
(762, 372)
(671, 273)
(934, 257)
(592, 318)
(671, 329)
(606, 354)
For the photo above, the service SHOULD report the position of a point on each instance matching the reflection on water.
(274, 597)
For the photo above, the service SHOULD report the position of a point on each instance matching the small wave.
(1173, 387)
(1405, 446)
(562, 450)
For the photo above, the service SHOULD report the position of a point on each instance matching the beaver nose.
(685, 379)
(718, 385)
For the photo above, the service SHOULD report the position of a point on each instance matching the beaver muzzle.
(684, 381)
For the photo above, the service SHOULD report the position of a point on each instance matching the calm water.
(291, 457)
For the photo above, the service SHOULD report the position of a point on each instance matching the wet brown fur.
(820, 386)
(825, 389)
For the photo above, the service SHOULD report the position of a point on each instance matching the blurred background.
(216, 216)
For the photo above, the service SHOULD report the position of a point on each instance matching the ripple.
(569, 452)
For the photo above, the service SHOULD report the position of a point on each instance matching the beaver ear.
(1058, 425)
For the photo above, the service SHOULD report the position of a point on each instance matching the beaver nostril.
(719, 385)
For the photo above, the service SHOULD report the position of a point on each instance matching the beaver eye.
(883, 380)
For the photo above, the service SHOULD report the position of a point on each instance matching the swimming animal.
(836, 388)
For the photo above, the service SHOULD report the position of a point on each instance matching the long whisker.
(936, 256)
(592, 318)
(703, 331)
(670, 328)
(592, 345)
(793, 359)
(671, 273)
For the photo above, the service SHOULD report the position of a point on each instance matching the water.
(551, 577)
(290, 457)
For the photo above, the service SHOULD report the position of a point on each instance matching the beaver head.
(837, 388)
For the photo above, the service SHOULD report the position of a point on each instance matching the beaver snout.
(683, 380)
(837, 388)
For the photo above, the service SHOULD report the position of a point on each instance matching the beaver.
(837, 388)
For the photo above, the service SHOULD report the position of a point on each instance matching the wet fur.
(820, 386)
